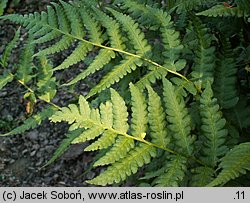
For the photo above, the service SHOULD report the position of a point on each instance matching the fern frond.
(235, 163)
(76, 56)
(6, 54)
(46, 82)
(184, 6)
(62, 19)
(112, 27)
(150, 78)
(135, 35)
(32, 122)
(118, 172)
(178, 117)
(225, 78)
(93, 28)
(126, 66)
(184, 86)
(240, 114)
(157, 122)
(173, 174)
(118, 151)
(203, 68)
(103, 58)
(64, 145)
(73, 16)
(107, 139)
(135, 9)
(3, 5)
(139, 108)
(89, 134)
(120, 112)
(213, 127)
(222, 11)
(201, 176)
(120, 118)
(171, 42)
(63, 44)
(5, 79)
(25, 65)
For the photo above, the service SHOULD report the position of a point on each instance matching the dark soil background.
(22, 157)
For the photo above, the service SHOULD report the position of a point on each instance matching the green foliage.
(173, 174)
(171, 104)
(3, 5)
(225, 78)
(235, 162)
(213, 128)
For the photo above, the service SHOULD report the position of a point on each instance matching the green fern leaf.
(77, 55)
(5, 79)
(73, 16)
(157, 122)
(112, 27)
(151, 76)
(236, 162)
(25, 66)
(203, 68)
(136, 8)
(88, 134)
(139, 108)
(69, 115)
(184, 6)
(120, 112)
(3, 5)
(99, 62)
(174, 173)
(105, 141)
(46, 83)
(61, 45)
(64, 145)
(213, 127)
(184, 86)
(107, 114)
(122, 144)
(129, 165)
(118, 151)
(201, 176)
(63, 22)
(134, 33)
(178, 117)
(32, 122)
(222, 11)
(240, 114)
(94, 29)
(6, 54)
(225, 78)
(126, 66)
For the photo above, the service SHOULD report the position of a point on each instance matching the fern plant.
(170, 84)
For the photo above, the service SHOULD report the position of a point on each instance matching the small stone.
(33, 135)
(33, 153)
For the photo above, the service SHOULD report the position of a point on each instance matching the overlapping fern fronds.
(241, 8)
(203, 68)
(66, 23)
(176, 127)
(130, 147)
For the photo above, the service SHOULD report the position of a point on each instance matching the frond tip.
(235, 163)
(125, 167)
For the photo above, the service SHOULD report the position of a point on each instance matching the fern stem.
(137, 56)
(159, 147)
(32, 91)
(118, 50)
